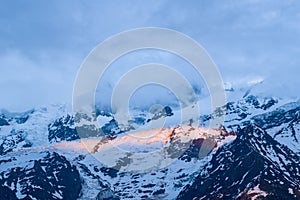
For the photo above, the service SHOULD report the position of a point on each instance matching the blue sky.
(43, 43)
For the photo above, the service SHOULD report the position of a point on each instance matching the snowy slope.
(258, 145)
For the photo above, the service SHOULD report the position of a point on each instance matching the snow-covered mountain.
(254, 165)
(255, 155)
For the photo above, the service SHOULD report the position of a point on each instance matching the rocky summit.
(254, 155)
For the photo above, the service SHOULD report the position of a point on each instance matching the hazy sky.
(43, 43)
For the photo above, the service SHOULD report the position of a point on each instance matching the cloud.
(26, 82)
(43, 44)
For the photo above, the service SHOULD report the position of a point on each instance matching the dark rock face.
(63, 129)
(165, 112)
(52, 177)
(105, 193)
(22, 119)
(192, 151)
(3, 121)
(263, 104)
(6, 118)
(168, 111)
(10, 142)
(198, 149)
(111, 128)
(6, 193)
(253, 159)
(277, 117)
(241, 109)
(113, 173)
